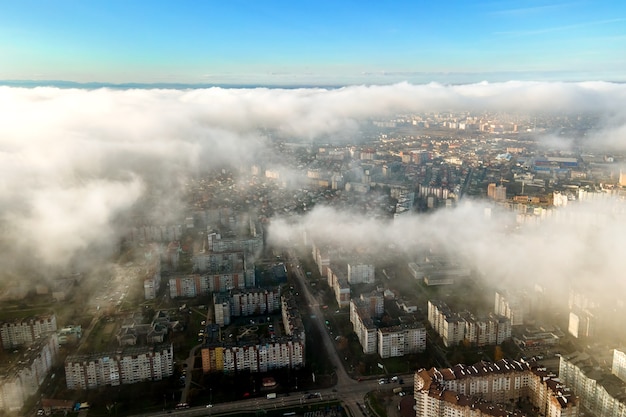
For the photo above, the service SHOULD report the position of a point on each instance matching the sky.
(312, 42)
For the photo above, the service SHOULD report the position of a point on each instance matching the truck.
(271, 395)
(397, 390)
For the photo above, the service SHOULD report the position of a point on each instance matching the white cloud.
(71, 160)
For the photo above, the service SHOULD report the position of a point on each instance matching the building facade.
(21, 380)
(600, 393)
(363, 325)
(361, 273)
(618, 367)
(455, 328)
(401, 340)
(477, 390)
(24, 332)
(127, 366)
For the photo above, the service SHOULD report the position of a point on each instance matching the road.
(350, 391)
(350, 395)
(190, 361)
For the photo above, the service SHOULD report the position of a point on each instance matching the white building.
(514, 306)
(254, 301)
(151, 285)
(479, 390)
(221, 309)
(600, 393)
(341, 288)
(455, 328)
(363, 325)
(22, 379)
(152, 280)
(618, 367)
(24, 332)
(359, 273)
(401, 340)
(321, 256)
(128, 366)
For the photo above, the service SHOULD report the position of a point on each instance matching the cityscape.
(314, 209)
(439, 250)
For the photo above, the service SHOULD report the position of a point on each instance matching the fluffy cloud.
(72, 161)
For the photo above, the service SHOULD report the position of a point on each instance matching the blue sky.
(311, 42)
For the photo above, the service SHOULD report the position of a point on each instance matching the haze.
(76, 163)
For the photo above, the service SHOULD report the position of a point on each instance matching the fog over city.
(75, 163)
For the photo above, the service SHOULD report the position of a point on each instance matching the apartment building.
(513, 305)
(342, 291)
(251, 244)
(261, 355)
(361, 273)
(24, 332)
(448, 324)
(254, 358)
(600, 393)
(401, 340)
(126, 366)
(151, 233)
(221, 308)
(455, 328)
(321, 256)
(375, 302)
(338, 282)
(223, 263)
(476, 390)
(151, 286)
(363, 325)
(335, 272)
(618, 367)
(248, 302)
(194, 285)
(254, 301)
(22, 378)
(486, 330)
(152, 283)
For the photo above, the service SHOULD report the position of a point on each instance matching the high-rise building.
(363, 325)
(263, 354)
(455, 328)
(127, 366)
(600, 393)
(21, 379)
(401, 340)
(24, 332)
(513, 305)
(479, 390)
(618, 367)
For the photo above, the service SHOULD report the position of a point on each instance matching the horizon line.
(29, 83)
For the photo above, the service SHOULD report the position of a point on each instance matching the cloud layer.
(74, 161)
